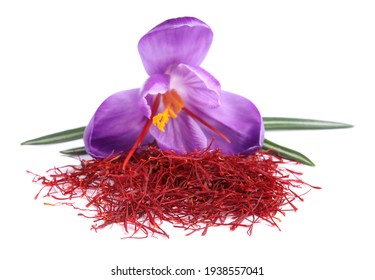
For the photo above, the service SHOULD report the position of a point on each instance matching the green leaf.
(59, 137)
(75, 151)
(274, 123)
(286, 152)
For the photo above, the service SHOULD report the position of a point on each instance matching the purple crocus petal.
(157, 83)
(195, 85)
(116, 124)
(180, 40)
(238, 119)
(182, 134)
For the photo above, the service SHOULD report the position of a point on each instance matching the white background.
(313, 59)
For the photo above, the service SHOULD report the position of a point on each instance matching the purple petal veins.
(237, 118)
(181, 40)
(116, 124)
(196, 85)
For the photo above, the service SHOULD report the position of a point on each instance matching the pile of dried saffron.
(193, 191)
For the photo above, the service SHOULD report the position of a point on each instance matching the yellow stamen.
(160, 120)
(173, 104)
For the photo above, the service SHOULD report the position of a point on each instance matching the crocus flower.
(181, 106)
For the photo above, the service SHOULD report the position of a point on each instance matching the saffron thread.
(195, 116)
(194, 192)
(144, 131)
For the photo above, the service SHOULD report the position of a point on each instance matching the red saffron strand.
(194, 192)
(144, 131)
(214, 129)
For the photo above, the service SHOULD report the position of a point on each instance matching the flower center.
(173, 104)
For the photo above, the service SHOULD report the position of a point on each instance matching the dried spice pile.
(193, 191)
